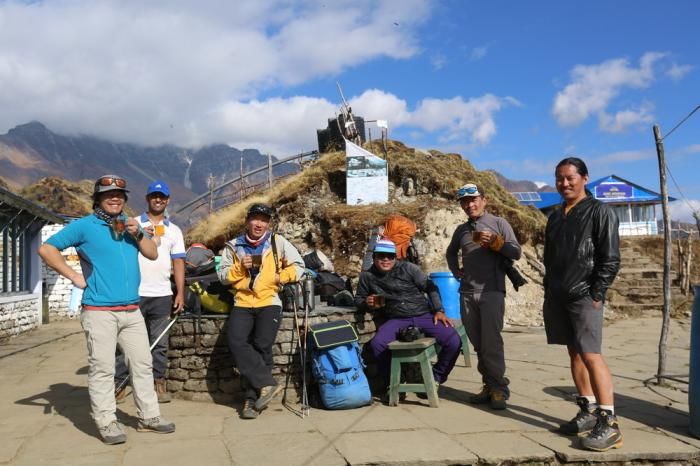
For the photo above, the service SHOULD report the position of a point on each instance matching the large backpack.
(337, 365)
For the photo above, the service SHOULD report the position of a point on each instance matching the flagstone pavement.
(44, 416)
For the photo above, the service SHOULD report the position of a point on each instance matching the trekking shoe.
(120, 394)
(162, 391)
(498, 400)
(484, 396)
(248, 411)
(156, 424)
(606, 433)
(583, 422)
(113, 433)
(266, 395)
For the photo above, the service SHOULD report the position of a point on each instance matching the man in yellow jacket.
(256, 264)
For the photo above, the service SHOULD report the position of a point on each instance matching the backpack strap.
(273, 244)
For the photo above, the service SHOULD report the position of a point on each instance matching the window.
(642, 213)
(622, 212)
(14, 258)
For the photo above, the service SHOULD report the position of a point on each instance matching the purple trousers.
(446, 337)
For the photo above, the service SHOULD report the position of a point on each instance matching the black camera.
(410, 333)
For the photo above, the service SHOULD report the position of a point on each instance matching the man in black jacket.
(582, 257)
(397, 289)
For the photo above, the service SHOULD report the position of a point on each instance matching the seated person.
(397, 289)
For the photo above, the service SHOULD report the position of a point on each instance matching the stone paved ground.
(44, 415)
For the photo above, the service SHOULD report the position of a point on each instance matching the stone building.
(21, 283)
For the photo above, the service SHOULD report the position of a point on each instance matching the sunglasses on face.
(384, 255)
(112, 181)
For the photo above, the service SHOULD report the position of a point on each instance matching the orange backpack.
(401, 230)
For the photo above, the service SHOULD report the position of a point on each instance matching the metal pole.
(666, 315)
(123, 382)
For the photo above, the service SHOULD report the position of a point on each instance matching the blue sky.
(513, 86)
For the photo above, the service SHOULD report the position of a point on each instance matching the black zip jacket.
(581, 250)
(404, 288)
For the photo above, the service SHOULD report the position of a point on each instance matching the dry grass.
(317, 195)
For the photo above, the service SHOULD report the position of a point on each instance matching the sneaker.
(606, 433)
(113, 433)
(266, 395)
(248, 411)
(156, 424)
(498, 399)
(583, 422)
(484, 396)
(120, 394)
(162, 391)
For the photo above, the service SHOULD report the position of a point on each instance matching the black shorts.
(575, 323)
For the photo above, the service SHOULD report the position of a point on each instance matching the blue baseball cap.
(158, 187)
(385, 245)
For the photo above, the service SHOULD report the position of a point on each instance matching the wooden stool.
(420, 351)
(465, 344)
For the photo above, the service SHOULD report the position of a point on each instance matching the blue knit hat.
(385, 245)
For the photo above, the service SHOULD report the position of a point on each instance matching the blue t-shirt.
(110, 267)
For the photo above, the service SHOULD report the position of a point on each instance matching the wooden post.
(667, 256)
(269, 170)
(210, 182)
(241, 191)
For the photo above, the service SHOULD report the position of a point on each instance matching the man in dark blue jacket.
(397, 289)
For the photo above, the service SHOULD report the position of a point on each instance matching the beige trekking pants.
(103, 330)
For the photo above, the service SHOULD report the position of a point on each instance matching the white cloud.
(624, 119)
(455, 118)
(177, 71)
(478, 53)
(678, 72)
(593, 87)
(682, 210)
(438, 61)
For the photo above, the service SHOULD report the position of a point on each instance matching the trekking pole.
(305, 393)
(123, 382)
(301, 356)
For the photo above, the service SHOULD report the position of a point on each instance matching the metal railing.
(240, 179)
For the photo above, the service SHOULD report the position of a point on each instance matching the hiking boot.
(162, 391)
(583, 422)
(266, 395)
(484, 396)
(498, 399)
(120, 394)
(248, 411)
(156, 424)
(606, 433)
(113, 433)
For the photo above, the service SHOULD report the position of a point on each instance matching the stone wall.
(57, 287)
(18, 313)
(200, 365)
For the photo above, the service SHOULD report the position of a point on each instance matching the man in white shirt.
(157, 303)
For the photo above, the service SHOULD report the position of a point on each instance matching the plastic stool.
(420, 351)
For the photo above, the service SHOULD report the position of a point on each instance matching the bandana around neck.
(256, 243)
(101, 214)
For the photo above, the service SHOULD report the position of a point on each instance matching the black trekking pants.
(251, 334)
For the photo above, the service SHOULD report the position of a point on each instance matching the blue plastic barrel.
(694, 387)
(449, 292)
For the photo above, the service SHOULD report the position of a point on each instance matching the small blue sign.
(613, 191)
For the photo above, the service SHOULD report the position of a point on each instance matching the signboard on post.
(367, 180)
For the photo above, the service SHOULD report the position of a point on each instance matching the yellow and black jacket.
(264, 291)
